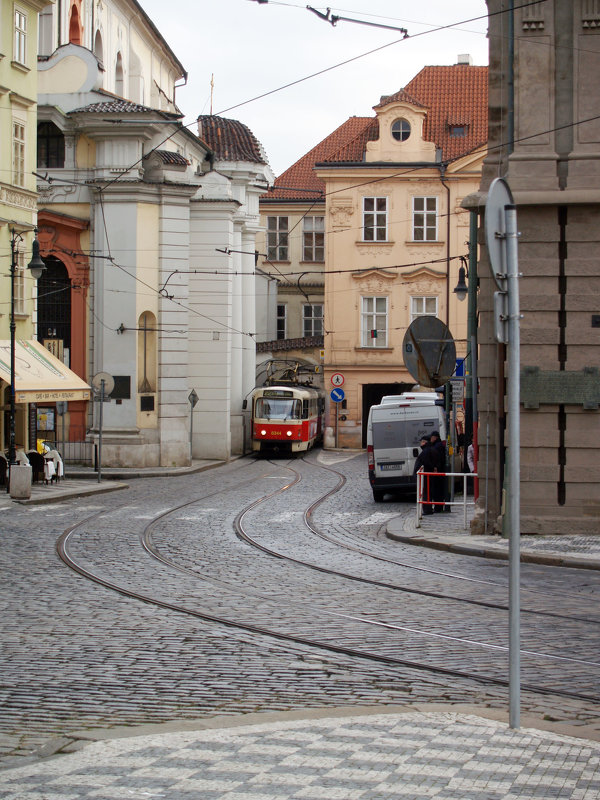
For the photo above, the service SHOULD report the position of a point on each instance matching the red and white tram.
(287, 419)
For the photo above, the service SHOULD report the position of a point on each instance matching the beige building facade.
(397, 234)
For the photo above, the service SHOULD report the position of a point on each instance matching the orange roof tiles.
(454, 96)
(302, 175)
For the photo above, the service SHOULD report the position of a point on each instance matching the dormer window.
(457, 131)
(401, 129)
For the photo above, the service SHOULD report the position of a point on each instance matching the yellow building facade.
(397, 235)
(18, 197)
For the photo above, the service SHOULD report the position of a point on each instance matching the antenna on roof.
(212, 88)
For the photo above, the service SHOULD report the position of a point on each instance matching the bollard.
(20, 482)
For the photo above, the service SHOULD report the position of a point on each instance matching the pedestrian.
(438, 484)
(425, 459)
(471, 457)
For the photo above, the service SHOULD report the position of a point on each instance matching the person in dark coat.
(438, 485)
(426, 460)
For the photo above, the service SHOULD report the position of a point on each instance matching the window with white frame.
(313, 239)
(313, 319)
(281, 321)
(423, 307)
(277, 238)
(374, 321)
(424, 219)
(20, 43)
(18, 163)
(375, 219)
(19, 281)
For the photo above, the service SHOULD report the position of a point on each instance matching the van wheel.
(378, 495)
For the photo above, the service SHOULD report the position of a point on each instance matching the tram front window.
(275, 408)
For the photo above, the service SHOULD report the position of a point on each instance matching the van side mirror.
(244, 404)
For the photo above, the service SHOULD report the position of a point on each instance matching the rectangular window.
(313, 320)
(277, 238)
(20, 50)
(424, 219)
(375, 219)
(374, 321)
(18, 153)
(282, 321)
(423, 307)
(20, 282)
(313, 239)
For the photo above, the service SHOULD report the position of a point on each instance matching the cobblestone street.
(79, 659)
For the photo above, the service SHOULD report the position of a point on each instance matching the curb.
(550, 560)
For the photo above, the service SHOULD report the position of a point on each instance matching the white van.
(394, 431)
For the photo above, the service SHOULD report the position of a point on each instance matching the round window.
(401, 129)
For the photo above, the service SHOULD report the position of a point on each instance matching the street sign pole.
(501, 238)
(514, 462)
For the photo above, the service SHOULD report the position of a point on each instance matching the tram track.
(320, 642)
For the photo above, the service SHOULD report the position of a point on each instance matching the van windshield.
(278, 408)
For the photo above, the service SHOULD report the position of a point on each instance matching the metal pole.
(514, 462)
(191, 429)
(472, 419)
(13, 326)
(100, 430)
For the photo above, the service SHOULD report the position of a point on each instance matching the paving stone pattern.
(443, 755)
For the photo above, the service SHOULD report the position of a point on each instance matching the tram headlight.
(263, 432)
(289, 433)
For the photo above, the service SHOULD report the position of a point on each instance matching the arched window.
(119, 84)
(74, 26)
(50, 146)
(98, 47)
(147, 353)
(54, 308)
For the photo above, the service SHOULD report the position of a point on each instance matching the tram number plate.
(391, 465)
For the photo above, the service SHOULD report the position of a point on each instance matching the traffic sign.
(337, 379)
(429, 351)
(337, 395)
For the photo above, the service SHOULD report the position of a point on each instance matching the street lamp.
(36, 266)
(461, 289)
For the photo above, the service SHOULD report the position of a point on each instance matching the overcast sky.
(253, 48)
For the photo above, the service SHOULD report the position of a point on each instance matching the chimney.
(465, 60)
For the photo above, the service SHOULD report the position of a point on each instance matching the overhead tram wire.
(306, 78)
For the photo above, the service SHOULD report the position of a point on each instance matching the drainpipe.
(511, 77)
(442, 168)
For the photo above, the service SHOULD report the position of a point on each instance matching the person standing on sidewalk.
(426, 460)
(438, 485)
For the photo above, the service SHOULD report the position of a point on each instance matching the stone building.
(545, 141)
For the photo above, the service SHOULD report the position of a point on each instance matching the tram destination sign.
(277, 393)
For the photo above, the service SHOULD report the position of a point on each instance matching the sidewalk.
(446, 532)
(393, 754)
(83, 481)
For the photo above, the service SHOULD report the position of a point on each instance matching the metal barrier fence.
(82, 453)
(424, 492)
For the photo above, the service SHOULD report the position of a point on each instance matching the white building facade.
(141, 219)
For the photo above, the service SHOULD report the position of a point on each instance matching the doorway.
(371, 396)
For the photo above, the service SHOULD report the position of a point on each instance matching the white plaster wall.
(210, 355)
(173, 406)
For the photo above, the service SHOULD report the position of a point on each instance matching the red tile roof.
(302, 175)
(456, 95)
(230, 140)
(453, 96)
